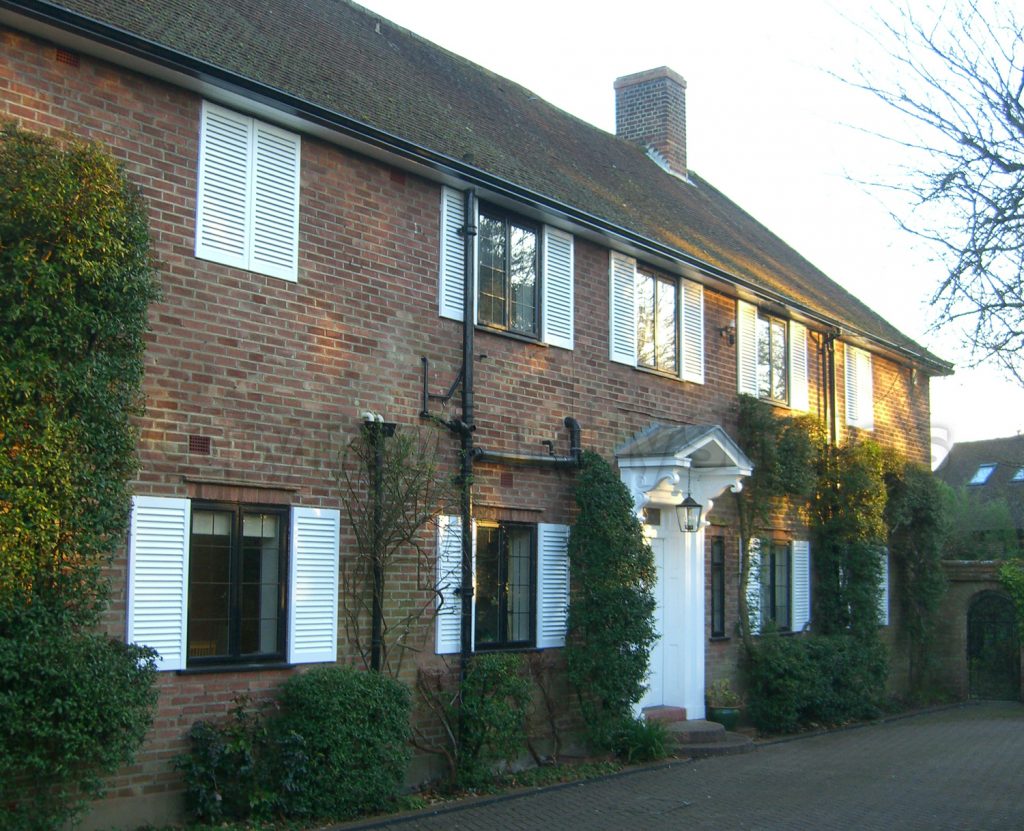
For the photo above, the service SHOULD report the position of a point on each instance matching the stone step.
(667, 715)
(732, 744)
(696, 731)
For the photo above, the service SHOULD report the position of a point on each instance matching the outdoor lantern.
(688, 513)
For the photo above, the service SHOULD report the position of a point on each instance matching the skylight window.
(1019, 475)
(981, 474)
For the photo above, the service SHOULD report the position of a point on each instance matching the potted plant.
(724, 704)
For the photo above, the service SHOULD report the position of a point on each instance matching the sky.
(768, 123)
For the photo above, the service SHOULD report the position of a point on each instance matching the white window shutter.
(860, 404)
(552, 584)
(313, 586)
(746, 348)
(693, 331)
(275, 202)
(883, 597)
(222, 203)
(799, 397)
(453, 254)
(622, 309)
(557, 286)
(801, 610)
(754, 586)
(158, 577)
(448, 622)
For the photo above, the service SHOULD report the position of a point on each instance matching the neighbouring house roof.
(1004, 461)
(342, 63)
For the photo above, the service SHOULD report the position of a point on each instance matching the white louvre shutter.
(453, 254)
(448, 626)
(552, 584)
(883, 597)
(859, 385)
(693, 331)
(746, 347)
(557, 284)
(275, 202)
(223, 205)
(313, 586)
(754, 586)
(158, 577)
(801, 584)
(799, 398)
(622, 309)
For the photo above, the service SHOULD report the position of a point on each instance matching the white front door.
(675, 676)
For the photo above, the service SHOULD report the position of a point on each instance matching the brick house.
(310, 171)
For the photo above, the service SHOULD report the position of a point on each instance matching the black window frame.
(502, 641)
(771, 589)
(675, 285)
(235, 656)
(510, 220)
(771, 321)
(717, 587)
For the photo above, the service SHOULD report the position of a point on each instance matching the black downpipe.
(830, 347)
(466, 428)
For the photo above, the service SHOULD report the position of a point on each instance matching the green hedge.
(354, 728)
(796, 682)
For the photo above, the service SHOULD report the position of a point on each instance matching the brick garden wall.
(275, 374)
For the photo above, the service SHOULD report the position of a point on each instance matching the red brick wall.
(275, 374)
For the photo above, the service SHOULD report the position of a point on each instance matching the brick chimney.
(650, 110)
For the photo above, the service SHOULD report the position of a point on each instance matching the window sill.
(504, 333)
(222, 668)
(720, 639)
(660, 373)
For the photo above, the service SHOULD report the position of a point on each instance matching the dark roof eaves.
(152, 52)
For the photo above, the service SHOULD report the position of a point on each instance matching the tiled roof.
(1007, 454)
(350, 61)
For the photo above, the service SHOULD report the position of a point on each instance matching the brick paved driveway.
(954, 769)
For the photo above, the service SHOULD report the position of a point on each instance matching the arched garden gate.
(993, 649)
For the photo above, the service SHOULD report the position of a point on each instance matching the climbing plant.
(611, 612)
(919, 527)
(75, 284)
(784, 452)
(392, 489)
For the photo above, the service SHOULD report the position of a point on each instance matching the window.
(779, 586)
(505, 585)
(507, 290)
(213, 583)
(718, 587)
(982, 474)
(775, 584)
(247, 209)
(524, 280)
(860, 402)
(655, 321)
(521, 585)
(1018, 475)
(235, 576)
(771, 357)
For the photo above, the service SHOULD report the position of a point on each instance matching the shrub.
(611, 611)
(639, 740)
(494, 702)
(73, 707)
(238, 770)
(355, 732)
(821, 679)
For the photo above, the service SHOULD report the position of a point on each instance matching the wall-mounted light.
(729, 332)
(689, 510)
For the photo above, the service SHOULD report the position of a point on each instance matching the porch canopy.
(664, 462)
